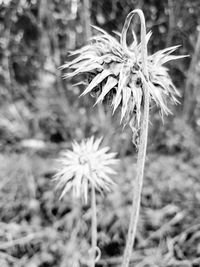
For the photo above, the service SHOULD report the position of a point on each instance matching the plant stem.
(191, 87)
(94, 227)
(142, 147)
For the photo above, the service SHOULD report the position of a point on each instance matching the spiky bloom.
(85, 163)
(115, 72)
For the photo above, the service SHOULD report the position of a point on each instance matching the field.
(41, 114)
(38, 229)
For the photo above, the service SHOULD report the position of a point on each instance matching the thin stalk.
(137, 189)
(190, 92)
(94, 227)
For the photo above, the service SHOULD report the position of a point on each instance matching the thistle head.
(117, 71)
(85, 164)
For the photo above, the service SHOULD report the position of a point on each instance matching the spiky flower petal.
(85, 163)
(116, 72)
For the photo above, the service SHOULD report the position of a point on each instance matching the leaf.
(82, 57)
(66, 188)
(157, 97)
(112, 39)
(85, 68)
(96, 81)
(135, 42)
(97, 143)
(123, 80)
(79, 83)
(147, 38)
(107, 44)
(137, 95)
(134, 127)
(83, 49)
(116, 102)
(117, 33)
(90, 143)
(169, 58)
(108, 58)
(130, 111)
(110, 84)
(126, 94)
(169, 50)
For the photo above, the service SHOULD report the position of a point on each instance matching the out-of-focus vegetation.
(40, 114)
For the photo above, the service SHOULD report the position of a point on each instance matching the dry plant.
(129, 78)
(87, 165)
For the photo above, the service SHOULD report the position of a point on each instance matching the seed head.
(115, 72)
(85, 164)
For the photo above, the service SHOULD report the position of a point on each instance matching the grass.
(38, 230)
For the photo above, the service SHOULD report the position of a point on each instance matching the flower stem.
(142, 148)
(94, 227)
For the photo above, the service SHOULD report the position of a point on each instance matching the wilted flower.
(85, 163)
(115, 72)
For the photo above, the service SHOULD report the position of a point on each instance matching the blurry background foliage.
(40, 113)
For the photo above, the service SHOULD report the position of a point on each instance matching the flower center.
(83, 160)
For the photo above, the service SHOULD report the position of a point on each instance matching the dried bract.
(115, 71)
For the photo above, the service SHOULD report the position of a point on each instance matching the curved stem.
(94, 227)
(142, 149)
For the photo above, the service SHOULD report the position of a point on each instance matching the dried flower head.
(115, 72)
(85, 163)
